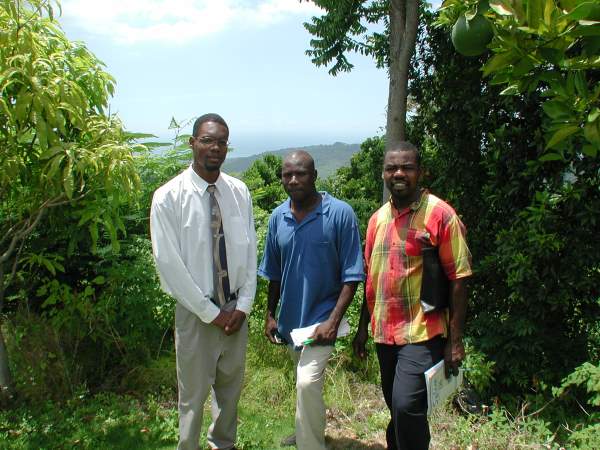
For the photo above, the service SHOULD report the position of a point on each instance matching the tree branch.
(29, 224)
(11, 276)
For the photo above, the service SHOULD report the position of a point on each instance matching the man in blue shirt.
(313, 262)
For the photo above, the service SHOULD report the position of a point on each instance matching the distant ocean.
(246, 144)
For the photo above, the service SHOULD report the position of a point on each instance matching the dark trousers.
(403, 385)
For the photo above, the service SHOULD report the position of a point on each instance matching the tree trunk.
(404, 18)
(6, 382)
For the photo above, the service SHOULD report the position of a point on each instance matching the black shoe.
(289, 441)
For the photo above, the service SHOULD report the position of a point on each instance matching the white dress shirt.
(182, 245)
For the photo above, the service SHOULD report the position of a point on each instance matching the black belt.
(231, 298)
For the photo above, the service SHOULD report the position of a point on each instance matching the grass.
(145, 416)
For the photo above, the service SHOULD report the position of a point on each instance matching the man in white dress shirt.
(211, 330)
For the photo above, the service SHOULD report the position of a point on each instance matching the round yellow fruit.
(471, 37)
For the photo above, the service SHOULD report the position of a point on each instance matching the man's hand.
(235, 322)
(359, 342)
(222, 319)
(325, 333)
(454, 354)
(270, 328)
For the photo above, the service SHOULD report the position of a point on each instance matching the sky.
(242, 59)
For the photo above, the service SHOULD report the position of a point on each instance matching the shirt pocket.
(317, 253)
(415, 241)
(237, 242)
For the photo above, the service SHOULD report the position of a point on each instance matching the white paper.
(299, 335)
(439, 388)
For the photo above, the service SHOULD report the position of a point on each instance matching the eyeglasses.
(209, 141)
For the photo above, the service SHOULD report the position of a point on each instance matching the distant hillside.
(328, 158)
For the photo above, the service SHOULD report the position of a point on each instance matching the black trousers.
(403, 385)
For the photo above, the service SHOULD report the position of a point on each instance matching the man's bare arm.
(454, 352)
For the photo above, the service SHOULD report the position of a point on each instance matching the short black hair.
(405, 146)
(301, 155)
(210, 117)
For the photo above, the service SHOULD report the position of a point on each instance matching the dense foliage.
(531, 218)
(66, 166)
(551, 48)
(536, 280)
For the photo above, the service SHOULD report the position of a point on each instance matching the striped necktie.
(219, 254)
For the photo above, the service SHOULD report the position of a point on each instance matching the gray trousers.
(208, 360)
(310, 407)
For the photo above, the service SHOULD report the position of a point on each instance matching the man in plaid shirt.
(408, 340)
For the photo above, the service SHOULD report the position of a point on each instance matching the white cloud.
(176, 21)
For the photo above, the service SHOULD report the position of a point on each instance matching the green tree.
(531, 219)
(59, 149)
(263, 178)
(552, 48)
(341, 30)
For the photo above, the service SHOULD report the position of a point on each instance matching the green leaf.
(551, 157)
(561, 134)
(68, 182)
(55, 163)
(582, 11)
(86, 217)
(99, 280)
(591, 132)
(48, 265)
(584, 31)
(93, 228)
(501, 8)
(59, 266)
(130, 136)
(590, 150)
(22, 106)
(50, 152)
(511, 90)
(557, 110)
(522, 67)
(593, 115)
(4, 109)
(153, 145)
(499, 61)
(173, 124)
(42, 131)
(51, 300)
(500, 78)
(581, 84)
(549, 9)
(535, 13)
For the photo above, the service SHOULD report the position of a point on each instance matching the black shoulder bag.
(434, 285)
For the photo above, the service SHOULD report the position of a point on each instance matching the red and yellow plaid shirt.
(395, 266)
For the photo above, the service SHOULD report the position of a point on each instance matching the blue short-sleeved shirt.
(312, 259)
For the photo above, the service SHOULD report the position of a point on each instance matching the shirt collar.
(201, 184)
(414, 206)
(321, 208)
